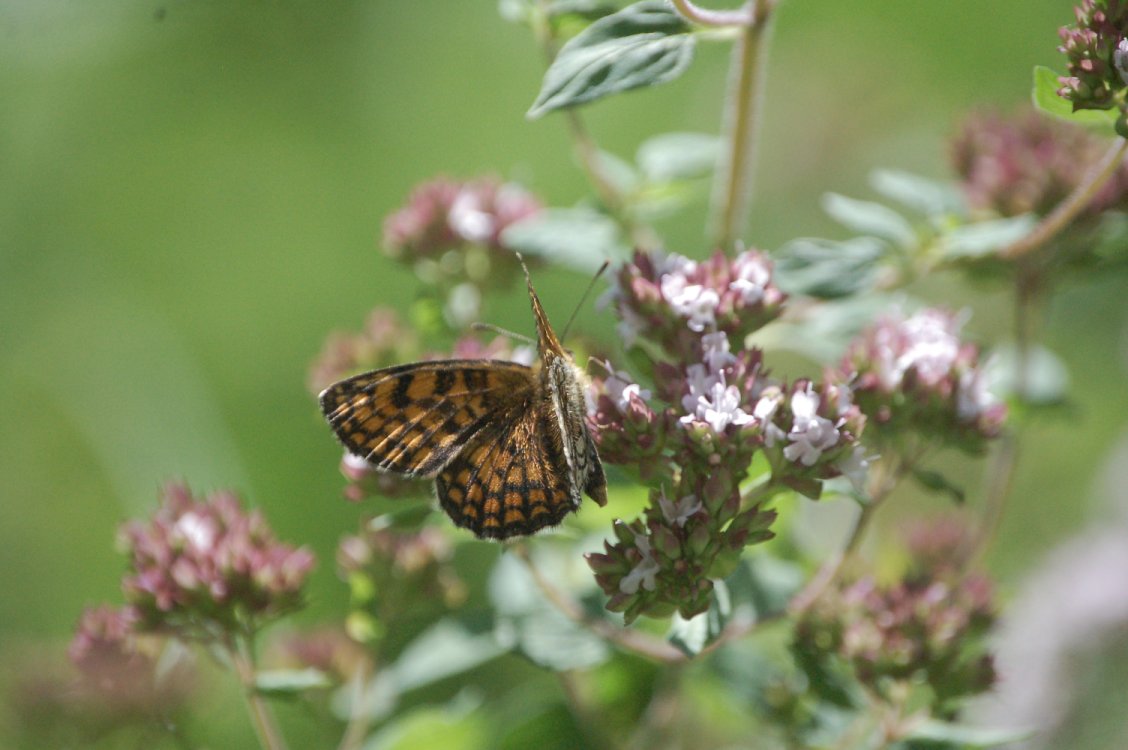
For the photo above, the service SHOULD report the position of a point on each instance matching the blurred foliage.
(192, 192)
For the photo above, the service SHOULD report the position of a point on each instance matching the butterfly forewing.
(414, 419)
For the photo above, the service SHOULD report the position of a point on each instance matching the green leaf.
(458, 725)
(642, 45)
(447, 648)
(1045, 378)
(933, 733)
(929, 197)
(867, 217)
(985, 238)
(827, 328)
(767, 582)
(285, 682)
(1045, 96)
(828, 269)
(934, 481)
(532, 625)
(678, 156)
(578, 237)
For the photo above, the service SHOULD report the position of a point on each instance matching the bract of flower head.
(204, 563)
(675, 300)
(626, 430)
(1090, 45)
(1027, 162)
(911, 373)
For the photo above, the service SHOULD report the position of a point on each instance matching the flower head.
(915, 373)
(202, 564)
(1090, 45)
(1027, 162)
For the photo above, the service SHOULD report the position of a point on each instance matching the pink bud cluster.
(1091, 45)
(204, 566)
(694, 433)
(1028, 163)
(914, 374)
(673, 301)
(445, 214)
(400, 568)
(384, 341)
(929, 626)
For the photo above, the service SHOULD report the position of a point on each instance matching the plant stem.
(716, 18)
(359, 716)
(633, 641)
(1075, 203)
(241, 651)
(882, 481)
(589, 722)
(1027, 297)
(733, 187)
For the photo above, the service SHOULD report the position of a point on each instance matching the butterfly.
(506, 444)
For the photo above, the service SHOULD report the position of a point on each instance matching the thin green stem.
(1000, 479)
(359, 716)
(633, 641)
(733, 188)
(241, 651)
(1075, 203)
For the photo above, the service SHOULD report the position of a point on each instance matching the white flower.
(752, 277)
(679, 512)
(713, 402)
(199, 532)
(933, 343)
(810, 434)
(620, 389)
(644, 572)
(764, 411)
(467, 218)
(693, 302)
(717, 351)
(855, 467)
(972, 396)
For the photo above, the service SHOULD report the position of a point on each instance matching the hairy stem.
(716, 18)
(733, 187)
(1075, 203)
(633, 641)
(241, 651)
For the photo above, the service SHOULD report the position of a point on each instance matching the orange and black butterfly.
(506, 444)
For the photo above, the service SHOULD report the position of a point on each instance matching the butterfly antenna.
(504, 332)
(583, 298)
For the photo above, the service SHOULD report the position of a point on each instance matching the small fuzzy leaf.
(828, 269)
(867, 217)
(1046, 98)
(642, 45)
(921, 194)
(937, 482)
(1045, 381)
(933, 733)
(578, 237)
(446, 648)
(678, 156)
(281, 682)
(985, 238)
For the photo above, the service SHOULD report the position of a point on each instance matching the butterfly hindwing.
(414, 419)
(511, 480)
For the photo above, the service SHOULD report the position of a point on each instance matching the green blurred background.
(191, 195)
